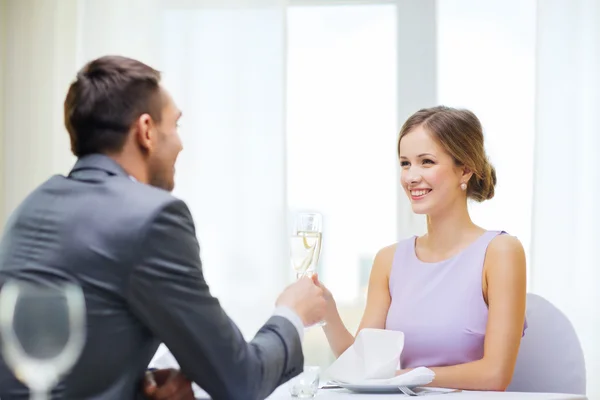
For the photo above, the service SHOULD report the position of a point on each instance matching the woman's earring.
(463, 186)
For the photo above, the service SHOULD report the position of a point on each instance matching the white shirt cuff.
(291, 316)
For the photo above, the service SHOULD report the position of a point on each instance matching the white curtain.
(566, 216)
(486, 55)
(128, 28)
(43, 44)
(3, 42)
(39, 61)
(224, 63)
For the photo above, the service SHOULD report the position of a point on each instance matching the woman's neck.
(451, 229)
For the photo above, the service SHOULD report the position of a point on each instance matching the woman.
(458, 292)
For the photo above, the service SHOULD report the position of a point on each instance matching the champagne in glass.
(305, 245)
(43, 332)
(306, 248)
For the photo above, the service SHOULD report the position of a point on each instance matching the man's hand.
(306, 299)
(167, 384)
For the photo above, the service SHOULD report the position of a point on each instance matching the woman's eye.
(404, 163)
(427, 161)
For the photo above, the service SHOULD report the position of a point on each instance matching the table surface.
(283, 393)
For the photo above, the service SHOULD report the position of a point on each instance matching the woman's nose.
(412, 177)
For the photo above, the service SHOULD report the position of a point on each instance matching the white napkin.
(374, 358)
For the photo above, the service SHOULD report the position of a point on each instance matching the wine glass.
(305, 246)
(43, 332)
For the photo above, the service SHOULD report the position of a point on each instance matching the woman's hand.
(331, 307)
(403, 371)
(376, 310)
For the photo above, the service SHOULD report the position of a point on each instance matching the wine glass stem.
(38, 395)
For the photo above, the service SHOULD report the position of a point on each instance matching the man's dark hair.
(107, 97)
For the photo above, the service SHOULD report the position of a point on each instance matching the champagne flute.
(305, 245)
(43, 332)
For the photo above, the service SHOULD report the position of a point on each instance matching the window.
(341, 132)
(341, 142)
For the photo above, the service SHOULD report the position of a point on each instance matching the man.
(112, 226)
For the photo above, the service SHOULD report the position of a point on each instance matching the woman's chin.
(420, 209)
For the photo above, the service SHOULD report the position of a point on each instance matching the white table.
(282, 393)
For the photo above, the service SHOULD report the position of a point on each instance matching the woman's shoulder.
(388, 252)
(504, 243)
(385, 256)
(505, 253)
(384, 259)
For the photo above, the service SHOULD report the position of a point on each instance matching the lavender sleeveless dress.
(439, 306)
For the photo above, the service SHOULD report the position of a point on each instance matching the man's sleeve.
(167, 292)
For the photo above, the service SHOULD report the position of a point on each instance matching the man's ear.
(144, 132)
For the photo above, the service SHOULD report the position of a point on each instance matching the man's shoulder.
(117, 204)
(120, 193)
(148, 197)
(149, 203)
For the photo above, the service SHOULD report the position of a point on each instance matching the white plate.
(372, 388)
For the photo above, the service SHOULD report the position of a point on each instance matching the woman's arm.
(378, 303)
(505, 276)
